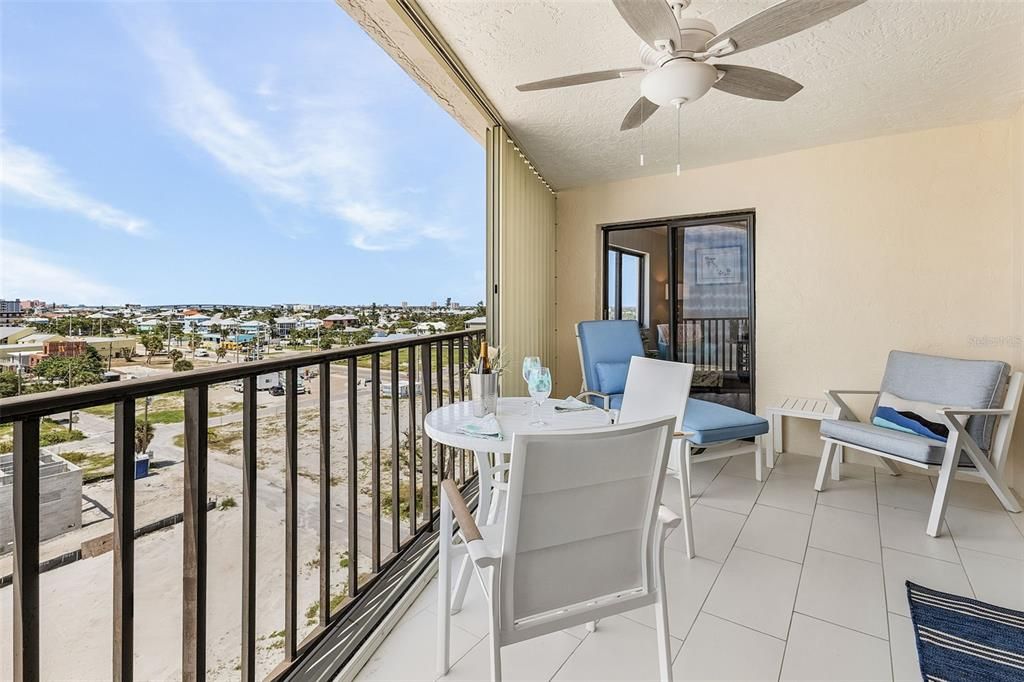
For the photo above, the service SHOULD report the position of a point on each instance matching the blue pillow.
(911, 416)
(611, 377)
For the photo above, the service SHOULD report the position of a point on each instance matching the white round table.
(514, 415)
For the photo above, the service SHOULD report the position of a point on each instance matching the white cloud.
(34, 177)
(325, 159)
(26, 273)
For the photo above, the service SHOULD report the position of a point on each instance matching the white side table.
(800, 408)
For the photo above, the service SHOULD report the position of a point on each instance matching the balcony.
(300, 537)
(282, 536)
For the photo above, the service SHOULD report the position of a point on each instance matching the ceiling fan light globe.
(681, 79)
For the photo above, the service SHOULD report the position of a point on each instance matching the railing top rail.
(51, 402)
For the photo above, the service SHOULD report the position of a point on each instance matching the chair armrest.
(667, 518)
(844, 410)
(603, 396)
(467, 524)
(468, 529)
(850, 391)
(994, 411)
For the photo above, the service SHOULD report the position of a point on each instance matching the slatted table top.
(812, 408)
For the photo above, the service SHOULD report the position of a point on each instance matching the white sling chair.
(654, 388)
(582, 537)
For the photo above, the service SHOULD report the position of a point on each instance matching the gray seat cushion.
(907, 445)
(949, 381)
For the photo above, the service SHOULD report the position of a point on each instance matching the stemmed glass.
(539, 383)
(530, 363)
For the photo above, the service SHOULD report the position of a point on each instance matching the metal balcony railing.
(441, 360)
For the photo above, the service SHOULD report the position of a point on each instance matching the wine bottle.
(484, 363)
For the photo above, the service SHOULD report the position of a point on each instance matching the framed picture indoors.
(721, 265)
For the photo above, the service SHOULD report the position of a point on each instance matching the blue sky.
(244, 152)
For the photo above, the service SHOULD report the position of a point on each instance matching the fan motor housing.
(678, 80)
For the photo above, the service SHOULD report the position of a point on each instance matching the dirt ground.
(76, 599)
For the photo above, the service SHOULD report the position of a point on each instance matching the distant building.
(60, 498)
(14, 334)
(340, 321)
(10, 310)
(476, 323)
(285, 325)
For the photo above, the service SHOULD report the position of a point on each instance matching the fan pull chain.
(641, 132)
(679, 156)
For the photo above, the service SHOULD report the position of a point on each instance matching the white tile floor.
(787, 584)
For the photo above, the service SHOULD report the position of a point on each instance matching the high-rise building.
(10, 310)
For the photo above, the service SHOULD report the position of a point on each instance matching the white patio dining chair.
(654, 388)
(582, 537)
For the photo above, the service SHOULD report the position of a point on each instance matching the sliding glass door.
(712, 306)
(693, 275)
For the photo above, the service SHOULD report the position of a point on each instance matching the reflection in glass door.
(712, 306)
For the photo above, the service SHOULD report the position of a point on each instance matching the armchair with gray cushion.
(713, 431)
(961, 423)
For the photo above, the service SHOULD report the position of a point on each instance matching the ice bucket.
(484, 391)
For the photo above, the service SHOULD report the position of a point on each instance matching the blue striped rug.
(965, 639)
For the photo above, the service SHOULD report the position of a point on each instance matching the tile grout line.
(721, 565)
(571, 654)
(956, 546)
(885, 594)
(796, 596)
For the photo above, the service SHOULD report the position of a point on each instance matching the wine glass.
(539, 384)
(530, 363)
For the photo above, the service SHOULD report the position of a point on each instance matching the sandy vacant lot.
(76, 611)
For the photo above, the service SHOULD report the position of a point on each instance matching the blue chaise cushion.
(712, 423)
(611, 376)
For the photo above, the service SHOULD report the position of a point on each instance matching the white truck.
(265, 382)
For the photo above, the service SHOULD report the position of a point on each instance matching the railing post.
(26, 550)
(325, 493)
(375, 462)
(428, 447)
(193, 660)
(249, 529)
(291, 512)
(412, 439)
(124, 539)
(452, 393)
(353, 483)
(396, 493)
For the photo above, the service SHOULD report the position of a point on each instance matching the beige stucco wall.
(911, 241)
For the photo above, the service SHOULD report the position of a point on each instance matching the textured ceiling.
(886, 66)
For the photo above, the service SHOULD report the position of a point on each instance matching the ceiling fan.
(676, 51)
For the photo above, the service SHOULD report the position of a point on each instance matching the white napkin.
(482, 427)
(573, 404)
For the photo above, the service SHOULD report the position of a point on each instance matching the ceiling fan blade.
(746, 81)
(638, 113)
(652, 20)
(778, 21)
(578, 79)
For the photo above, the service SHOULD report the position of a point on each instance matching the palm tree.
(153, 344)
(221, 352)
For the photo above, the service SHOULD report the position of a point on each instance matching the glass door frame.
(641, 300)
(672, 224)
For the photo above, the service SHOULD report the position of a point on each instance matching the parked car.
(276, 390)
